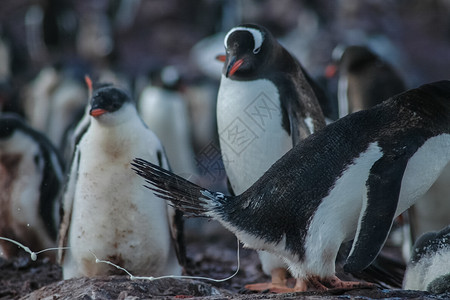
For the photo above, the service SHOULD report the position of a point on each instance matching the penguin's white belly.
(114, 218)
(21, 190)
(166, 114)
(343, 96)
(432, 211)
(423, 169)
(336, 218)
(249, 122)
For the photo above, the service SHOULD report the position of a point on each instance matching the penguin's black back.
(376, 80)
(285, 198)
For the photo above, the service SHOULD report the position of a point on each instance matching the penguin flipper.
(67, 204)
(298, 128)
(377, 215)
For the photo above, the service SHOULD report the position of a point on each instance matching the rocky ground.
(212, 255)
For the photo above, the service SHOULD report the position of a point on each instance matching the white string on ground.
(132, 277)
(34, 255)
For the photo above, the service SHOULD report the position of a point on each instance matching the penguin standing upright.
(31, 176)
(265, 105)
(164, 109)
(345, 182)
(365, 80)
(106, 210)
(429, 266)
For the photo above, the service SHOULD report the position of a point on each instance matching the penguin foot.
(279, 283)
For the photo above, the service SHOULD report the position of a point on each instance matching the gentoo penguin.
(37, 97)
(106, 210)
(31, 175)
(68, 99)
(53, 100)
(346, 181)
(429, 266)
(265, 105)
(364, 79)
(164, 109)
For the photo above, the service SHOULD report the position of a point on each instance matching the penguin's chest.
(113, 216)
(423, 169)
(249, 120)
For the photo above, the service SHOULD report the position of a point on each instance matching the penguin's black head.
(246, 47)
(9, 123)
(355, 57)
(107, 100)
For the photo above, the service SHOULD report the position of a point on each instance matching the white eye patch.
(258, 37)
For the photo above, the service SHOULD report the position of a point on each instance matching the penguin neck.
(115, 138)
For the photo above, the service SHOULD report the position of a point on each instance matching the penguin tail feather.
(184, 195)
(386, 271)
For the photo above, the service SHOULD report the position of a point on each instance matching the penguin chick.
(31, 176)
(266, 104)
(345, 182)
(106, 210)
(428, 268)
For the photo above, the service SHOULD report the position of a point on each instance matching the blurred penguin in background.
(31, 175)
(429, 266)
(54, 100)
(164, 109)
(365, 79)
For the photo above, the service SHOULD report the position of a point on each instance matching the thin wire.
(132, 277)
(33, 256)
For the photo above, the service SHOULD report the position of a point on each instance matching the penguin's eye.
(256, 51)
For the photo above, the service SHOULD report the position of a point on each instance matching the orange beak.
(331, 70)
(97, 112)
(221, 57)
(234, 67)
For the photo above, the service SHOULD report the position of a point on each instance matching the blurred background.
(128, 41)
(133, 36)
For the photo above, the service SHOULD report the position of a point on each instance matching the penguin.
(364, 79)
(38, 95)
(266, 104)
(347, 181)
(31, 176)
(68, 100)
(428, 268)
(164, 109)
(106, 210)
(54, 99)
